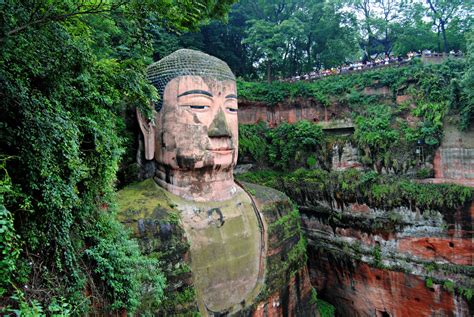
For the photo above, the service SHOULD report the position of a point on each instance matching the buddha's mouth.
(222, 150)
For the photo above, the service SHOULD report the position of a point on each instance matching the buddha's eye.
(233, 110)
(195, 107)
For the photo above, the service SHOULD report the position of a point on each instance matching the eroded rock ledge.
(397, 262)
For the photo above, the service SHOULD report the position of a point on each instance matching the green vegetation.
(377, 254)
(466, 292)
(383, 135)
(285, 147)
(429, 282)
(307, 187)
(279, 39)
(68, 70)
(432, 88)
(465, 102)
(325, 309)
(434, 81)
(450, 286)
(287, 228)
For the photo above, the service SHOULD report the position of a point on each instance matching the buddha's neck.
(198, 185)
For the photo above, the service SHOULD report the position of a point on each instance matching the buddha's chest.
(226, 248)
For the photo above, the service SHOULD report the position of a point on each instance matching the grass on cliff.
(379, 191)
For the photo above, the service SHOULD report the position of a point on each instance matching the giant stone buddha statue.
(226, 248)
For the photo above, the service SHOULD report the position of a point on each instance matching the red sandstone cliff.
(392, 263)
(290, 111)
(387, 262)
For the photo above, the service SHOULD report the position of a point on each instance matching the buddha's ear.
(148, 130)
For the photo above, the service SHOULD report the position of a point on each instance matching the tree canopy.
(270, 39)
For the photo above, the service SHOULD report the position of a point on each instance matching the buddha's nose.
(219, 127)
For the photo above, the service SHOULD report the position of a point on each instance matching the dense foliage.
(325, 309)
(384, 136)
(379, 191)
(285, 147)
(464, 101)
(283, 38)
(67, 71)
(425, 81)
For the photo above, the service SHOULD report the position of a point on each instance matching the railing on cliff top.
(360, 67)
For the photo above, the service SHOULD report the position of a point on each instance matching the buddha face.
(197, 126)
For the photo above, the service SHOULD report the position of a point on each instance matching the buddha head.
(194, 139)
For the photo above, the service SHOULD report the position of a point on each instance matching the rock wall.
(293, 110)
(287, 291)
(454, 159)
(370, 262)
(286, 302)
(289, 111)
(402, 262)
(356, 289)
(344, 157)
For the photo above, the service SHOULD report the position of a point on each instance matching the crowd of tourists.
(388, 60)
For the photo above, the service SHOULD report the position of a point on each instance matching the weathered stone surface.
(294, 111)
(153, 220)
(357, 289)
(287, 289)
(403, 99)
(227, 250)
(377, 91)
(454, 250)
(160, 222)
(243, 168)
(367, 261)
(454, 159)
(344, 157)
(288, 301)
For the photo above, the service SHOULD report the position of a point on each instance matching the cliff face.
(357, 289)
(454, 159)
(291, 112)
(373, 262)
(294, 110)
(288, 291)
(397, 261)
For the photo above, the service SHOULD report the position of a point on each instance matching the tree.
(293, 37)
(273, 42)
(271, 31)
(413, 33)
(466, 104)
(376, 19)
(334, 37)
(365, 9)
(442, 12)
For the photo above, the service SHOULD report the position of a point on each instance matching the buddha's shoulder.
(265, 196)
(143, 200)
(270, 202)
